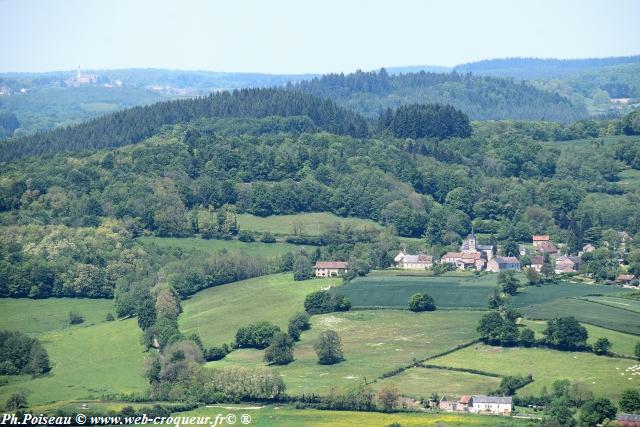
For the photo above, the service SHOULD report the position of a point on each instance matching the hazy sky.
(289, 36)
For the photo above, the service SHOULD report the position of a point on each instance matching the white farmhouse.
(500, 405)
(419, 261)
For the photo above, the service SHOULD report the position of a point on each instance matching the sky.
(298, 36)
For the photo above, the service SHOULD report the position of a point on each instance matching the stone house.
(502, 263)
(567, 264)
(420, 261)
(499, 405)
(536, 263)
(330, 268)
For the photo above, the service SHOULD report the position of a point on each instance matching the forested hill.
(135, 124)
(541, 68)
(481, 97)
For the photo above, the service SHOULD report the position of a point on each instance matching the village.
(477, 257)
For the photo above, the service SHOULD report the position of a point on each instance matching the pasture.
(374, 342)
(213, 247)
(621, 343)
(216, 313)
(605, 376)
(421, 382)
(87, 362)
(461, 291)
(308, 224)
(285, 416)
(623, 303)
(43, 315)
(585, 311)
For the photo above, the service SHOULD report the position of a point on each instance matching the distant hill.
(418, 68)
(481, 97)
(529, 68)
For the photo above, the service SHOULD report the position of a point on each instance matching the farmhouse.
(490, 405)
(450, 405)
(330, 268)
(628, 420)
(419, 261)
(536, 263)
(464, 260)
(543, 245)
(501, 263)
(586, 249)
(625, 279)
(567, 264)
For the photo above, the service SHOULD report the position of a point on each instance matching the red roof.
(540, 238)
(625, 277)
(476, 255)
(464, 400)
(537, 260)
(332, 264)
(452, 255)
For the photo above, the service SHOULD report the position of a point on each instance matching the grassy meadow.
(43, 315)
(374, 342)
(285, 416)
(605, 376)
(217, 313)
(267, 250)
(623, 303)
(309, 224)
(87, 362)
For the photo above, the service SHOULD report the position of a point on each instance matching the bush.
(257, 335)
(245, 236)
(16, 401)
(602, 346)
(110, 317)
(75, 318)
(267, 238)
(421, 302)
(325, 302)
(216, 353)
(280, 351)
(298, 323)
(302, 268)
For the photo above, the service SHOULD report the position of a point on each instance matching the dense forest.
(541, 67)
(480, 97)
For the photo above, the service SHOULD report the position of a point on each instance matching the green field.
(86, 363)
(274, 416)
(585, 311)
(621, 343)
(310, 224)
(623, 303)
(630, 179)
(268, 250)
(387, 290)
(43, 315)
(421, 382)
(605, 376)
(374, 342)
(216, 313)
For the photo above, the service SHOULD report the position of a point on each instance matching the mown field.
(605, 376)
(42, 315)
(277, 416)
(623, 344)
(421, 382)
(310, 224)
(213, 247)
(585, 311)
(87, 362)
(468, 291)
(623, 303)
(217, 313)
(375, 342)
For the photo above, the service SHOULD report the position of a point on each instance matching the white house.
(330, 268)
(500, 405)
(419, 261)
(501, 263)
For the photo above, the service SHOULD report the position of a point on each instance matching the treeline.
(426, 121)
(135, 124)
(482, 98)
(20, 354)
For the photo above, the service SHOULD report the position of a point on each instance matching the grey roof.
(507, 260)
(417, 258)
(484, 247)
(629, 417)
(507, 400)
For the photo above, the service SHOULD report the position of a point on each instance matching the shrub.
(421, 302)
(298, 323)
(16, 401)
(75, 318)
(245, 236)
(602, 346)
(280, 351)
(257, 335)
(110, 317)
(216, 353)
(325, 302)
(267, 238)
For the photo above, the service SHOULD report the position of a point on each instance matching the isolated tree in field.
(630, 401)
(508, 281)
(16, 401)
(602, 346)
(421, 302)
(490, 326)
(328, 348)
(388, 396)
(280, 351)
(298, 323)
(566, 333)
(533, 277)
(325, 302)
(302, 268)
(75, 318)
(527, 337)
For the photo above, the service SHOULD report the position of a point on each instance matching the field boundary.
(465, 370)
(389, 307)
(604, 304)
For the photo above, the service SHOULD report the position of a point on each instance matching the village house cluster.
(475, 256)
